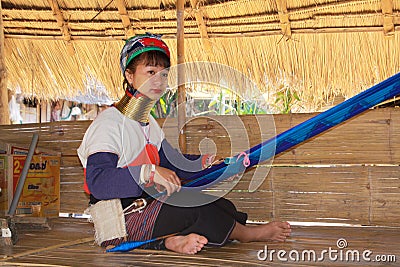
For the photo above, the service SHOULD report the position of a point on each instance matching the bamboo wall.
(349, 174)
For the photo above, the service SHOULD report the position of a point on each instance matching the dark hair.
(149, 58)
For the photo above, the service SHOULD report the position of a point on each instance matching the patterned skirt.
(139, 225)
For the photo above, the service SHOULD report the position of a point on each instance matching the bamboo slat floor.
(70, 243)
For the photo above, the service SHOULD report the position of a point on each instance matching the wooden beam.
(63, 26)
(271, 20)
(284, 18)
(180, 34)
(213, 35)
(114, 27)
(306, 9)
(4, 113)
(198, 13)
(388, 20)
(126, 22)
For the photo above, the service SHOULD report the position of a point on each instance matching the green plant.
(250, 107)
(286, 98)
(236, 106)
(220, 105)
(166, 106)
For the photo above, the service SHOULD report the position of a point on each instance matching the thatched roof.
(320, 48)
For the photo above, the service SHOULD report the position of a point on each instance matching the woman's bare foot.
(275, 231)
(188, 244)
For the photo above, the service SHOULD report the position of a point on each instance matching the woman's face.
(151, 81)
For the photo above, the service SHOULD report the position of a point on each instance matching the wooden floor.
(70, 243)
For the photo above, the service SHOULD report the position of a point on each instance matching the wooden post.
(181, 73)
(284, 18)
(388, 18)
(198, 13)
(38, 112)
(126, 22)
(4, 113)
(63, 24)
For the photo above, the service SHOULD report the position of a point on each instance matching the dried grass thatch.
(320, 49)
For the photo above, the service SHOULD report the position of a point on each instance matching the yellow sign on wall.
(41, 191)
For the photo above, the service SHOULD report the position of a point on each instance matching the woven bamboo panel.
(364, 139)
(73, 199)
(364, 195)
(385, 192)
(356, 194)
(370, 138)
(74, 202)
(64, 137)
(324, 194)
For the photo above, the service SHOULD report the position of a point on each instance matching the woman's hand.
(167, 179)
